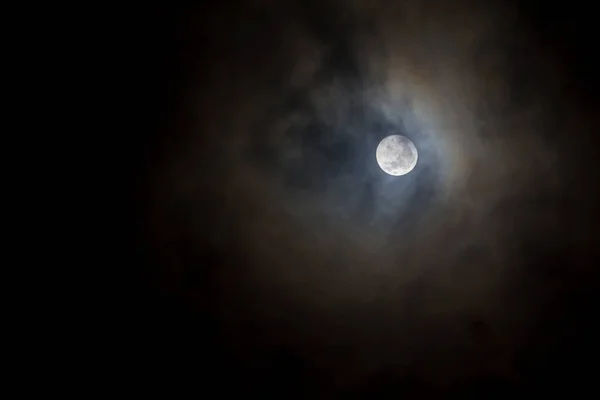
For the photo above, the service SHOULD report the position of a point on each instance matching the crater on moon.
(396, 155)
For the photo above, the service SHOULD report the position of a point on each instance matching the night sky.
(268, 254)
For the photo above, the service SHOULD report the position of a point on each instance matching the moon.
(396, 155)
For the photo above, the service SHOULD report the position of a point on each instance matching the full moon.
(396, 155)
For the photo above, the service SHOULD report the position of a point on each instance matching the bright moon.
(396, 155)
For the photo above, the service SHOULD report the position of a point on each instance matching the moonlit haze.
(345, 196)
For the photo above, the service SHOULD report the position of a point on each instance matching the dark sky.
(269, 254)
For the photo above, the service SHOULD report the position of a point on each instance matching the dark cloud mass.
(278, 248)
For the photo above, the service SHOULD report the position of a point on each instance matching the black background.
(168, 330)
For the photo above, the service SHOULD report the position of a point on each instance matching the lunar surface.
(396, 155)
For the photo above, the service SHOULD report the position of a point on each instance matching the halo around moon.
(396, 155)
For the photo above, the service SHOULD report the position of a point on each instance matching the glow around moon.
(396, 155)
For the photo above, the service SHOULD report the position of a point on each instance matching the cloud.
(277, 171)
